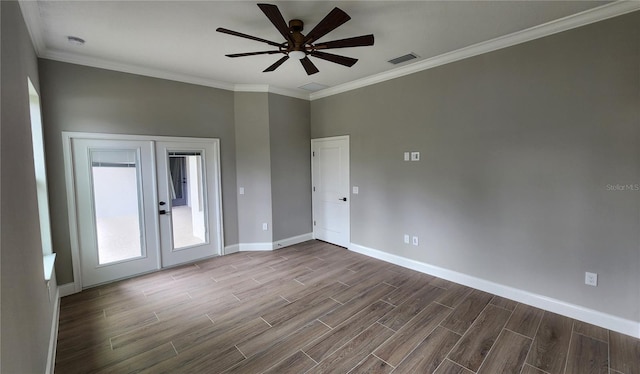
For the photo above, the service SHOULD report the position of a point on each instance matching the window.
(41, 180)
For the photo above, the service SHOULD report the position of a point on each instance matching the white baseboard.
(67, 289)
(292, 240)
(53, 335)
(621, 325)
(233, 248)
(244, 247)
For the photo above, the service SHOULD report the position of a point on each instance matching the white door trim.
(67, 137)
(313, 208)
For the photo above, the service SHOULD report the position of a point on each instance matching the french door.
(117, 225)
(187, 195)
(128, 216)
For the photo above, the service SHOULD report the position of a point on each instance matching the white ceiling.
(177, 39)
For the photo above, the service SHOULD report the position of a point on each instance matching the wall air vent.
(405, 58)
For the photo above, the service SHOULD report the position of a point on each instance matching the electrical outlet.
(406, 239)
(415, 156)
(265, 226)
(415, 240)
(591, 279)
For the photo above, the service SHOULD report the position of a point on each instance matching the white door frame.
(68, 136)
(348, 192)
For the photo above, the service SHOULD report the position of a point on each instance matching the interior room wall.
(290, 145)
(254, 167)
(530, 162)
(86, 99)
(26, 311)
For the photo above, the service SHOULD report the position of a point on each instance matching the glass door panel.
(117, 205)
(188, 216)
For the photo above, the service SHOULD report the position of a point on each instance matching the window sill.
(48, 261)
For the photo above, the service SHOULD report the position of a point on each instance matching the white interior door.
(189, 206)
(116, 216)
(330, 173)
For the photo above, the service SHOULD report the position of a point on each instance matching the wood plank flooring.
(318, 308)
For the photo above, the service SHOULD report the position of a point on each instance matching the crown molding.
(31, 15)
(164, 74)
(251, 88)
(134, 69)
(270, 89)
(288, 92)
(553, 27)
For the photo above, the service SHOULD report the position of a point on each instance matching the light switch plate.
(355, 190)
(241, 190)
(407, 157)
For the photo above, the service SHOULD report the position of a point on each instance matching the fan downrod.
(296, 25)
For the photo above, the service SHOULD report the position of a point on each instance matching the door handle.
(343, 199)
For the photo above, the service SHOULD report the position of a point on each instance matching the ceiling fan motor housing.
(297, 39)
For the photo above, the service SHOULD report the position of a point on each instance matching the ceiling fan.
(300, 46)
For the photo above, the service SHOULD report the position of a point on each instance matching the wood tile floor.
(317, 308)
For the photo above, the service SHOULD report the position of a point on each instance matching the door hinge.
(314, 188)
(313, 154)
(314, 223)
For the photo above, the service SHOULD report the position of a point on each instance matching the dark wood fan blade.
(309, 67)
(357, 41)
(253, 53)
(334, 19)
(342, 60)
(235, 33)
(276, 64)
(273, 13)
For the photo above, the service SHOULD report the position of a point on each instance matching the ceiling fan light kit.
(298, 55)
(299, 46)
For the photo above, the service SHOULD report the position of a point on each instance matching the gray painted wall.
(80, 98)
(519, 151)
(253, 166)
(272, 146)
(26, 312)
(290, 166)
